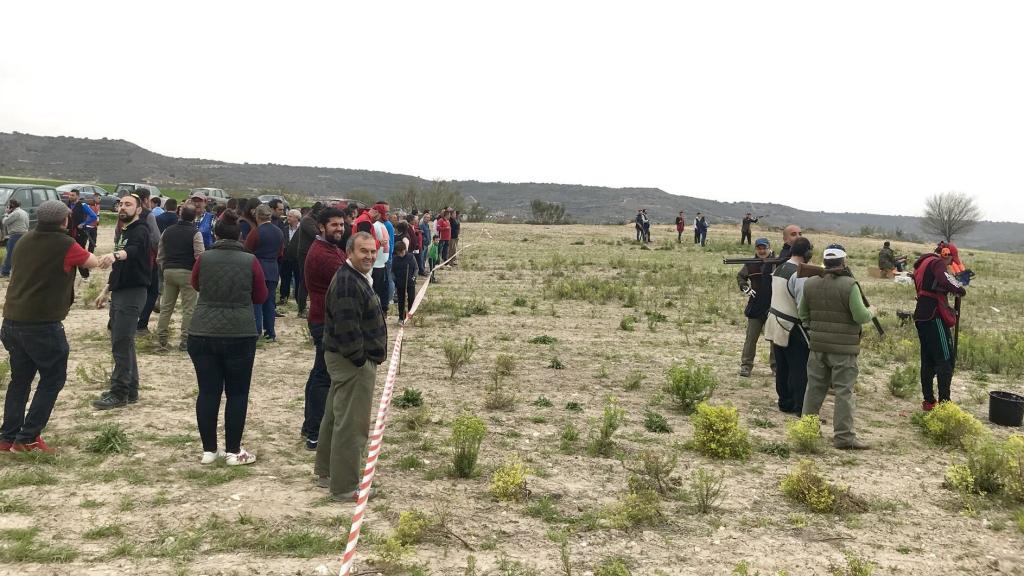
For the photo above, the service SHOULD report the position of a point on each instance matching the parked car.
(266, 198)
(108, 200)
(30, 196)
(214, 196)
(125, 188)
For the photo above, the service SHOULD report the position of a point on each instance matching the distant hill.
(105, 160)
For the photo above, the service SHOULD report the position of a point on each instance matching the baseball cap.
(199, 195)
(762, 242)
(834, 252)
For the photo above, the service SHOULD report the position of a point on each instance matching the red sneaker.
(927, 406)
(6, 446)
(35, 446)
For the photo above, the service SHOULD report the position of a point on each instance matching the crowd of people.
(228, 268)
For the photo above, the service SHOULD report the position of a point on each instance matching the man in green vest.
(39, 296)
(833, 309)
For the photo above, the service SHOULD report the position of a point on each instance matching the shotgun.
(808, 270)
(773, 261)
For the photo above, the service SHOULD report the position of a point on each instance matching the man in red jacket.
(444, 233)
(325, 256)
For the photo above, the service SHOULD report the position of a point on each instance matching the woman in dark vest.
(222, 338)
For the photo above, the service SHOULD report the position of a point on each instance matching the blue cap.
(762, 242)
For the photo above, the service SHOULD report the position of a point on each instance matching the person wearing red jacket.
(444, 233)
(933, 319)
(324, 258)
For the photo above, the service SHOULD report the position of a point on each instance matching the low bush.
(505, 364)
(508, 482)
(612, 567)
(635, 510)
(458, 355)
(111, 439)
(654, 422)
(805, 434)
(804, 484)
(468, 433)
(412, 527)
(706, 489)
(633, 380)
(949, 424)
(688, 385)
(567, 440)
(905, 382)
(652, 470)
(543, 339)
(717, 432)
(992, 468)
(601, 443)
(409, 398)
(498, 395)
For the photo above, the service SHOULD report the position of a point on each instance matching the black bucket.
(1005, 408)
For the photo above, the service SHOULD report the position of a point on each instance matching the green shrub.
(654, 422)
(612, 567)
(633, 380)
(505, 364)
(905, 382)
(706, 489)
(652, 470)
(498, 396)
(519, 301)
(717, 432)
(570, 434)
(573, 406)
(627, 323)
(556, 363)
(806, 485)
(412, 527)
(542, 402)
(457, 355)
(635, 510)
(409, 398)
(1014, 475)
(601, 443)
(805, 434)
(689, 385)
(992, 468)
(508, 482)
(468, 433)
(543, 339)
(854, 567)
(949, 424)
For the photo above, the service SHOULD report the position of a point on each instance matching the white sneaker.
(211, 457)
(239, 459)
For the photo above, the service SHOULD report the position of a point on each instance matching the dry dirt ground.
(154, 510)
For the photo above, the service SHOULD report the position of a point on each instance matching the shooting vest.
(783, 315)
(832, 327)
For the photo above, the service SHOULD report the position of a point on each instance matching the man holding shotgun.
(933, 319)
(832, 309)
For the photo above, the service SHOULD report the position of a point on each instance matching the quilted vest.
(224, 309)
(832, 327)
(782, 315)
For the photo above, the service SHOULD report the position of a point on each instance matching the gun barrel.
(752, 261)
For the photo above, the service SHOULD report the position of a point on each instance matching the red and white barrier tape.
(377, 432)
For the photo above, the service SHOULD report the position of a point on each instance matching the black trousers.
(380, 286)
(745, 237)
(223, 368)
(937, 361)
(41, 348)
(317, 386)
(289, 277)
(300, 287)
(405, 294)
(152, 293)
(791, 372)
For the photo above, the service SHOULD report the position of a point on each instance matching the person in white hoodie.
(16, 224)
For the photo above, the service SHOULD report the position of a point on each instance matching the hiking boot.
(311, 444)
(239, 458)
(927, 406)
(110, 400)
(745, 372)
(323, 481)
(36, 445)
(855, 445)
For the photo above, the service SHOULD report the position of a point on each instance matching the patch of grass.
(612, 567)
(216, 475)
(544, 508)
(556, 363)
(104, 531)
(543, 339)
(409, 398)
(633, 380)
(111, 439)
(505, 364)
(573, 406)
(29, 477)
(904, 382)
(654, 422)
(20, 545)
(627, 323)
(806, 485)
(409, 462)
(542, 402)
(567, 439)
(854, 566)
(12, 505)
(498, 396)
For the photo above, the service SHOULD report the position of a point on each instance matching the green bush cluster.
(458, 354)
(992, 467)
(601, 443)
(993, 352)
(905, 382)
(949, 424)
(654, 422)
(409, 398)
(468, 433)
(688, 385)
(805, 434)
(508, 482)
(717, 432)
(806, 485)
(636, 509)
(412, 527)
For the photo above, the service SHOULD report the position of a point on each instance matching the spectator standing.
(155, 207)
(645, 223)
(832, 307)
(38, 298)
(204, 220)
(638, 223)
(308, 231)
(453, 247)
(130, 277)
(222, 339)
(748, 219)
(169, 217)
(290, 273)
(355, 342)
(425, 245)
(700, 230)
(81, 217)
(180, 247)
(91, 229)
(266, 242)
(322, 262)
(389, 220)
(444, 233)
(380, 271)
(153, 289)
(680, 227)
(247, 221)
(405, 278)
(786, 331)
(16, 223)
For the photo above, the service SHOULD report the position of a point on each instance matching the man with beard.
(323, 260)
(82, 217)
(130, 276)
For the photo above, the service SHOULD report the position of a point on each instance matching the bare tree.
(950, 214)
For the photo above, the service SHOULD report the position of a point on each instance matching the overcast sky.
(854, 106)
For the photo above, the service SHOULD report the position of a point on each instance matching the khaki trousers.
(838, 370)
(345, 427)
(755, 327)
(177, 281)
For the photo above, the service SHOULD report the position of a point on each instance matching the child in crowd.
(404, 269)
(434, 256)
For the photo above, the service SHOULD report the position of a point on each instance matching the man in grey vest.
(833, 309)
(180, 246)
(785, 331)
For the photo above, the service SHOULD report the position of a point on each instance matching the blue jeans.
(11, 241)
(265, 313)
(317, 386)
(41, 348)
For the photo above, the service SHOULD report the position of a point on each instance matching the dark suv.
(30, 196)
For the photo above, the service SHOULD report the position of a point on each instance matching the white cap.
(834, 252)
